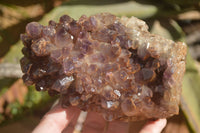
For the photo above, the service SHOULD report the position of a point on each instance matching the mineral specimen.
(105, 64)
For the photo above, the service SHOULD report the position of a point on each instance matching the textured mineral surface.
(105, 64)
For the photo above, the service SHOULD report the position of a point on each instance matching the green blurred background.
(22, 107)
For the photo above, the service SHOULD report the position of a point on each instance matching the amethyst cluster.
(105, 64)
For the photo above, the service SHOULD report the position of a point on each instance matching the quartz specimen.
(105, 64)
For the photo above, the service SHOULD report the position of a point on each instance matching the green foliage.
(33, 98)
(5, 84)
(130, 8)
(190, 100)
(183, 2)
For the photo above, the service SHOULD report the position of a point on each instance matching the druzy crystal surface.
(105, 64)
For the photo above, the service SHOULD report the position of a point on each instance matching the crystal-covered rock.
(106, 64)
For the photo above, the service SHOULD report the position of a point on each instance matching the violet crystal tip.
(105, 64)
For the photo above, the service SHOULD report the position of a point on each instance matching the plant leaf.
(190, 100)
(130, 8)
(167, 28)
